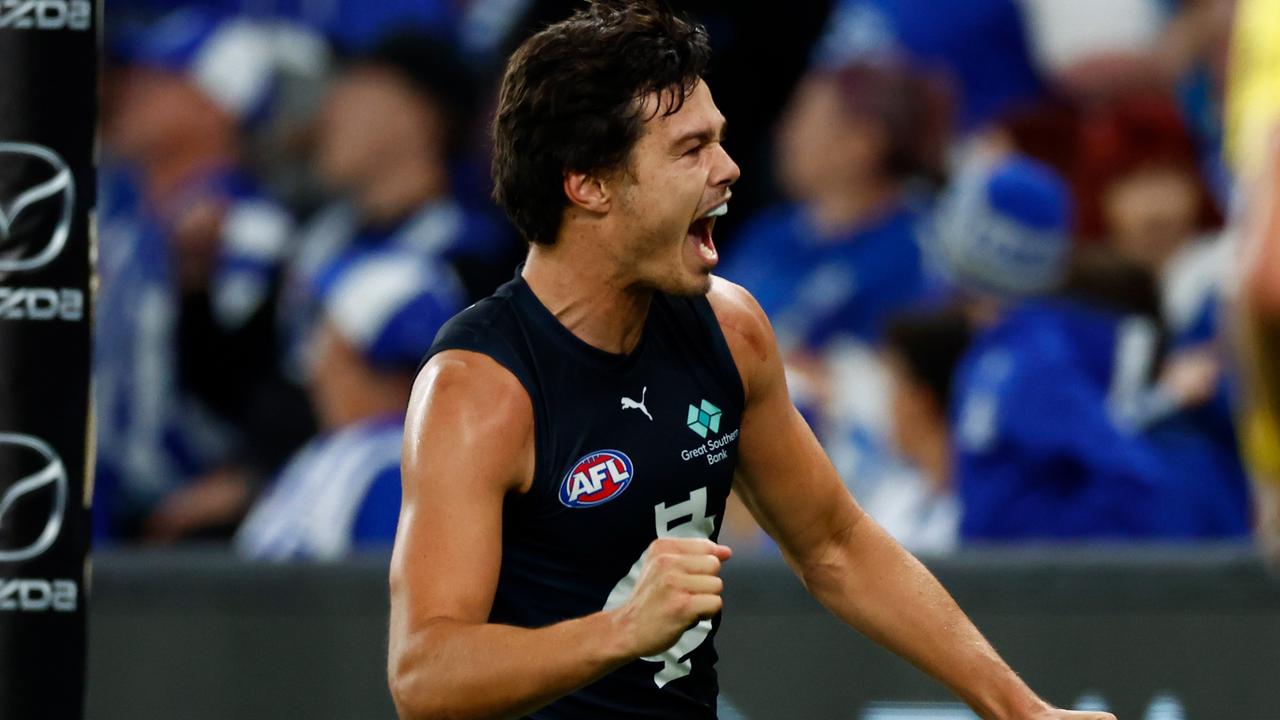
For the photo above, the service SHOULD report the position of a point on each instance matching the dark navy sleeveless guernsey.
(629, 448)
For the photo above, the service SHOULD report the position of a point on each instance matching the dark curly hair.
(571, 100)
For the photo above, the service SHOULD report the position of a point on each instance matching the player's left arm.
(843, 557)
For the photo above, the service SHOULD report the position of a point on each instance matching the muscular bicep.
(786, 480)
(468, 442)
(783, 475)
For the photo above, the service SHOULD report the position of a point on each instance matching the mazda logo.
(37, 467)
(28, 238)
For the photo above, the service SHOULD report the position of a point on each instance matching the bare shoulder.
(465, 402)
(470, 378)
(745, 327)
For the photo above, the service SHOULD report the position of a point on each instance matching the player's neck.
(603, 309)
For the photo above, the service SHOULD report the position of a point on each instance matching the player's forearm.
(450, 669)
(867, 579)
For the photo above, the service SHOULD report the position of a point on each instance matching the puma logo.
(629, 404)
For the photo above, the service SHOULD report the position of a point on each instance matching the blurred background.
(1022, 257)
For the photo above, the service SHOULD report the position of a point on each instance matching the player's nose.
(724, 171)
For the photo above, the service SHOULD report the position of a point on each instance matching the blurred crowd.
(1022, 256)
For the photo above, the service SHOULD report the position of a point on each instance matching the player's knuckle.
(679, 605)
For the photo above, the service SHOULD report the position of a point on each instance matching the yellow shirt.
(1252, 116)
(1253, 90)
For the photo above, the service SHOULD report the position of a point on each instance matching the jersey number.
(686, 519)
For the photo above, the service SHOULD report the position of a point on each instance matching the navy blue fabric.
(560, 561)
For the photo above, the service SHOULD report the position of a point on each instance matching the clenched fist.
(679, 585)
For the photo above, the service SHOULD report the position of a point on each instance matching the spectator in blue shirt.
(393, 122)
(1050, 439)
(844, 254)
(1143, 195)
(341, 492)
(185, 355)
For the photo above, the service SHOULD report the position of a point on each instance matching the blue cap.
(390, 304)
(1003, 227)
(233, 59)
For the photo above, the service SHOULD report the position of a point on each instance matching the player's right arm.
(469, 441)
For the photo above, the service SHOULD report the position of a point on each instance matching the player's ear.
(589, 192)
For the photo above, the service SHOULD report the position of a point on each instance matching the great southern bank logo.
(596, 478)
(703, 418)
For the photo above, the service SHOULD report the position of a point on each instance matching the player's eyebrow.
(704, 136)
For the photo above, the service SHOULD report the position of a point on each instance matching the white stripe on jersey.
(310, 509)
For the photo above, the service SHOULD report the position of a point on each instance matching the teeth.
(717, 211)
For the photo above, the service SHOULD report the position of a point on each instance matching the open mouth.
(700, 233)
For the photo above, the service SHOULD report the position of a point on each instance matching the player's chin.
(682, 284)
(699, 284)
(691, 278)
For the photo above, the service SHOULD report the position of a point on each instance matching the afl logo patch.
(596, 479)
